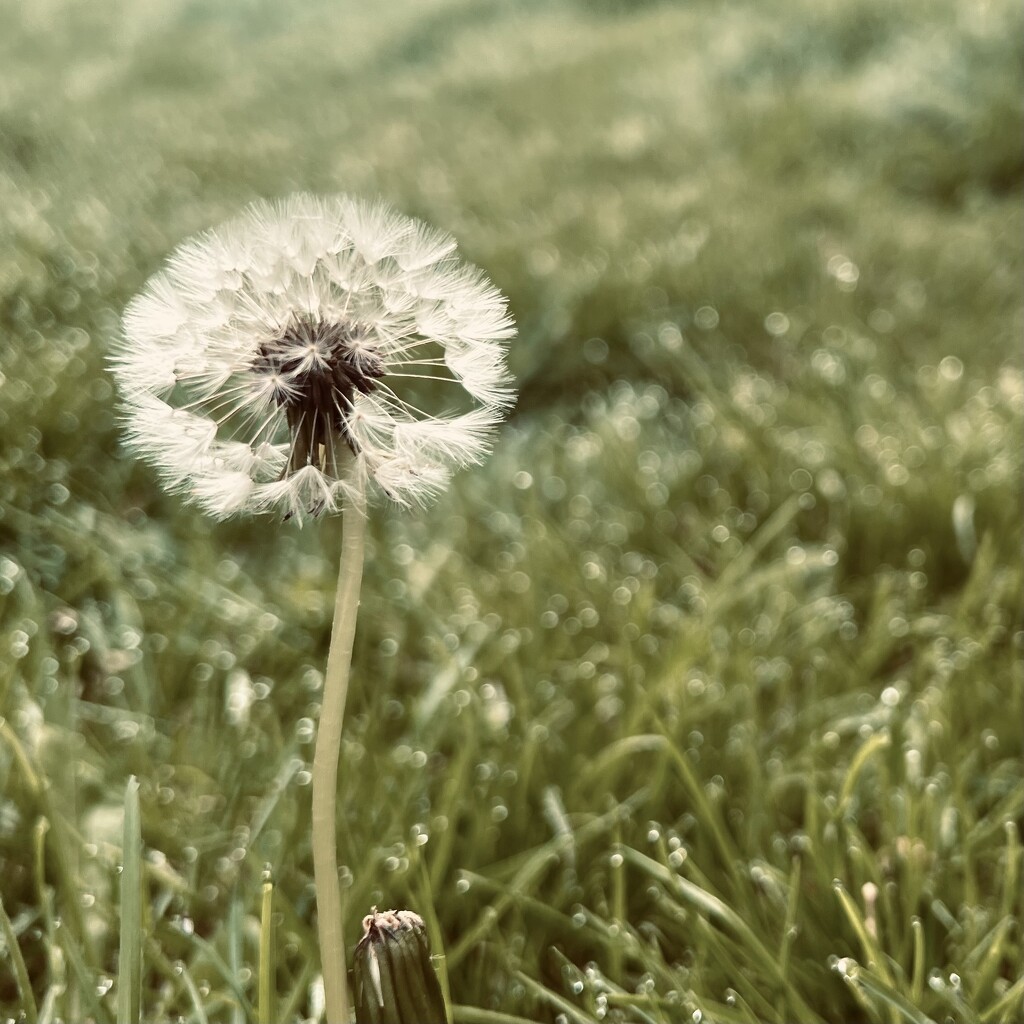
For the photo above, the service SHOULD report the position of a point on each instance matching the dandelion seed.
(277, 363)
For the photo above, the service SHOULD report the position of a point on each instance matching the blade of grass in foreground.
(475, 1015)
(724, 915)
(266, 998)
(884, 992)
(28, 1002)
(129, 981)
(75, 958)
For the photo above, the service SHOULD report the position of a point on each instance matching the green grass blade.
(75, 957)
(129, 981)
(869, 944)
(917, 976)
(28, 1002)
(236, 919)
(266, 982)
(477, 1015)
(883, 990)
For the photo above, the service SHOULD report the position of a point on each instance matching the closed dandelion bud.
(395, 981)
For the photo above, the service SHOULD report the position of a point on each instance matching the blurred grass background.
(703, 699)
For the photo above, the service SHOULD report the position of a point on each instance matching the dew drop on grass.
(802, 842)
(595, 350)
(706, 318)
(951, 368)
(519, 582)
(890, 696)
(848, 967)
(462, 886)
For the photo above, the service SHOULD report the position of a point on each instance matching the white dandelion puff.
(293, 360)
(292, 357)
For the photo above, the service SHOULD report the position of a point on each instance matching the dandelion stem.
(325, 763)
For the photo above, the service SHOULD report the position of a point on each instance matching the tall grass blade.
(28, 1002)
(129, 982)
(266, 993)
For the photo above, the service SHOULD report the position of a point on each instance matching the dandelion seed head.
(291, 357)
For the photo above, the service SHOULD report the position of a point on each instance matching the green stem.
(325, 763)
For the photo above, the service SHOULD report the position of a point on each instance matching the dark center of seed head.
(322, 365)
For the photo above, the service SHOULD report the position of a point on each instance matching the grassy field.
(703, 700)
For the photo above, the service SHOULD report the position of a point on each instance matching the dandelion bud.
(395, 982)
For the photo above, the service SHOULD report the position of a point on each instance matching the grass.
(703, 699)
